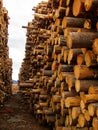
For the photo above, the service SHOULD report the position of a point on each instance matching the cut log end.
(88, 4)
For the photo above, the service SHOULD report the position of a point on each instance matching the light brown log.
(91, 59)
(81, 39)
(93, 89)
(78, 7)
(69, 29)
(67, 120)
(92, 109)
(90, 4)
(81, 59)
(82, 121)
(66, 54)
(72, 22)
(54, 65)
(56, 98)
(76, 111)
(87, 115)
(62, 75)
(95, 123)
(70, 80)
(72, 55)
(72, 101)
(83, 72)
(83, 85)
(95, 46)
(58, 22)
(60, 58)
(89, 98)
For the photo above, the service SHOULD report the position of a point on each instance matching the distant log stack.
(60, 68)
(5, 61)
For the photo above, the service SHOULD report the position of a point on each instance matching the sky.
(20, 13)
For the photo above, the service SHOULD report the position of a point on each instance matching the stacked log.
(5, 61)
(64, 86)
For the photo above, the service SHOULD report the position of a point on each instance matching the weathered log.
(72, 22)
(62, 40)
(49, 50)
(65, 68)
(81, 39)
(48, 72)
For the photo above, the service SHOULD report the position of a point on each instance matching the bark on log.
(83, 85)
(72, 22)
(81, 39)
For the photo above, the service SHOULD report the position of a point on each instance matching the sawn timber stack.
(60, 68)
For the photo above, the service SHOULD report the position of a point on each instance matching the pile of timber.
(60, 68)
(5, 61)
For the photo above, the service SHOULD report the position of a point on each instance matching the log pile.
(5, 61)
(61, 64)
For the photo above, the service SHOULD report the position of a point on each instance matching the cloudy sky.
(20, 13)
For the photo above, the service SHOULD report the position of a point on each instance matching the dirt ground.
(15, 115)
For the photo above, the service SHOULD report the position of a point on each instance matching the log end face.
(69, 42)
